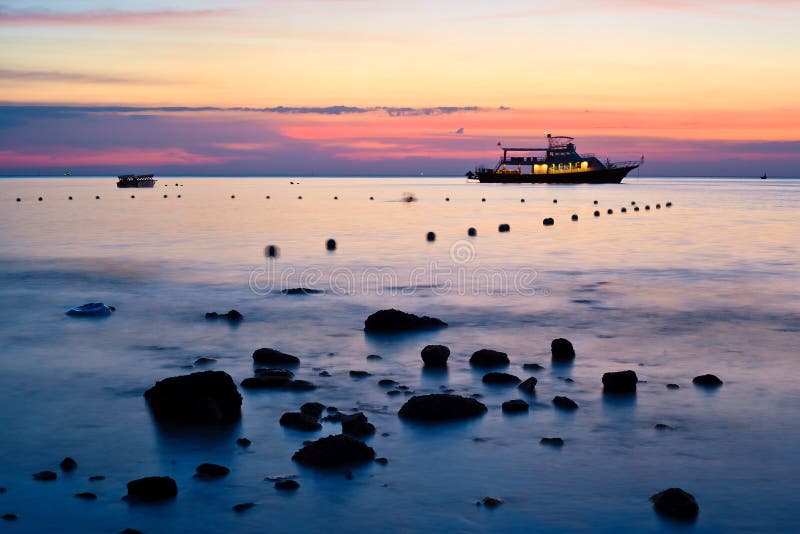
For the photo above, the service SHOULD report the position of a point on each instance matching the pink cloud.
(100, 17)
(69, 157)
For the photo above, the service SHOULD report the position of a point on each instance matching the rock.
(529, 385)
(441, 407)
(568, 380)
(673, 386)
(243, 506)
(500, 379)
(300, 385)
(206, 397)
(300, 421)
(96, 478)
(333, 417)
(334, 451)
(662, 426)
(45, 476)
(243, 442)
(312, 409)
(565, 403)
(620, 382)
(381, 461)
(504, 228)
(553, 442)
(130, 531)
(561, 350)
(357, 425)
(86, 496)
(274, 357)
(472, 232)
(280, 373)
(10, 517)
(359, 374)
(374, 357)
(532, 367)
(387, 382)
(435, 355)
(492, 502)
(548, 221)
(392, 321)
(324, 374)
(707, 380)
(68, 464)
(675, 503)
(301, 291)
(488, 358)
(330, 244)
(204, 361)
(515, 406)
(232, 315)
(394, 392)
(2, 490)
(430, 236)
(287, 484)
(211, 471)
(265, 382)
(150, 489)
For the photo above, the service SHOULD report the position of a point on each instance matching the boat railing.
(617, 164)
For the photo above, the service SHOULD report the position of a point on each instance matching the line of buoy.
(504, 228)
(548, 221)
(431, 236)
(330, 244)
(472, 232)
(574, 216)
(596, 213)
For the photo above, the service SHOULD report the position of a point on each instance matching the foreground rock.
(334, 451)
(441, 407)
(86, 496)
(313, 409)
(393, 321)
(68, 464)
(708, 380)
(562, 351)
(515, 406)
(435, 356)
(242, 507)
(488, 358)
(287, 484)
(529, 385)
(268, 356)
(357, 425)
(232, 316)
(620, 382)
(151, 489)
(491, 502)
(45, 476)
(206, 398)
(211, 471)
(300, 421)
(565, 403)
(552, 442)
(675, 503)
(500, 379)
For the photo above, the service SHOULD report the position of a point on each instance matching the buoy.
(633, 202)
(272, 251)
(647, 207)
(623, 209)
(97, 197)
(40, 199)
(668, 204)
(335, 198)
(522, 200)
(371, 198)
(555, 201)
(610, 211)
(70, 198)
(595, 203)
(548, 221)
(291, 183)
(233, 196)
(636, 208)
(574, 216)
(179, 196)
(133, 196)
(504, 228)
(472, 232)
(299, 198)
(483, 200)
(447, 199)
(596, 213)
(19, 199)
(176, 185)
(165, 196)
(330, 244)
(658, 206)
(267, 197)
(431, 236)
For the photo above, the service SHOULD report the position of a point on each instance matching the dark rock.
(500, 378)
(86, 496)
(243, 442)
(394, 392)
(287, 484)
(300, 385)
(529, 385)
(274, 357)
(707, 381)
(381, 461)
(430, 236)
(324, 374)
(207, 397)
(300, 421)
(331, 409)
(675, 503)
(492, 502)
(152, 489)
(357, 425)
(515, 406)
(243, 506)
(662, 426)
(374, 357)
(211, 471)
(620, 382)
(330, 244)
(130, 531)
(96, 478)
(504, 228)
(45, 476)
(435, 355)
(280, 373)
(565, 403)
(334, 451)
(232, 315)
(204, 361)
(673, 386)
(532, 367)
(553, 442)
(441, 407)
(568, 380)
(488, 358)
(334, 417)
(265, 382)
(403, 387)
(68, 464)
(359, 374)
(390, 321)
(10, 517)
(301, 291)
(548, 221)
(2, 490)
(387, 382)
(312, 409)
(472, 232)
(561, 350)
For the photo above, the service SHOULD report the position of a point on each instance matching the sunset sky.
(387, 87)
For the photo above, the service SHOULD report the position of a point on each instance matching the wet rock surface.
(529, 385)
(565, 403)
(675, 503)
(357, 425)
(441, 407)
(435, 356)
(45, 476)
(515, 406)
(313, 409)
(620, 382)
(334, 451)
(394, 321)
(209, 470)
(562, 350)
(488, 358)
(495, 378)
(151, 489)
(68, 464)
(232, 316)
(300, 421)
(269, 356)
(287, 484)
(552, 442)
(86, 496)
(707, 380)
(209, 397)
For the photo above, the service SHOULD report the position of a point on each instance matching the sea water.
(708, 285)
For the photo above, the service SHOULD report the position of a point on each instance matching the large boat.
(560, 164)
(136, 180)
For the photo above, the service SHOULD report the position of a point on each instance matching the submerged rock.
(204, 361)
(359, 374)
(392, 321)
(211, 471)
(435, 355)
(492, 502)
(620, 382)
(529, 385)
(312, 409)
(150, 489)
(662, 426)
(287, 484)
(673, 386)
(242, 506)
(500, 378)
(532, 367)
(488, 358)
(565, 403)
(45, 476)
(265, 382)
(515, 406)
(707, 380)
(675, 503)
(300, 421)
(387, 382)
(96, 478)
(301, 291)
(334, 451)
(553, 442)
(268, 356)
(243, 442)
(206, 397)
(374, 357)
(86, 496)
(68, 464)
(232, 315)
(357, 425)
(561, 350)
(441, 407)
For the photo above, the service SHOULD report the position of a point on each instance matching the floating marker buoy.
(233, 196)
(165, 196)
(623, 209)
(291, 183)
(372, 198)
(97, 197)
(548, 221)
(70, 198)
(431, 236)
(330, 244)
(658, 206)
(522, 200)
(335, 198)
(483, 200)
(610, 211)
(555, 201)
(299, 198)
(595, 203)
(668, 204)
(176, 185)
(504, 228)
(636, 208)
(272, 251)
(633, 202)
(19, 199)
(267, 197)
(647, 207)
(596, 213)
(472, 232)
(133, 196)
(574, 216)
(40, 199)
(179, 196)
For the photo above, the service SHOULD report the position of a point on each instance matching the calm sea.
(708, 285)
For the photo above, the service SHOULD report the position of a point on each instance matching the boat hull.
(137, 185)
(600, 176)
